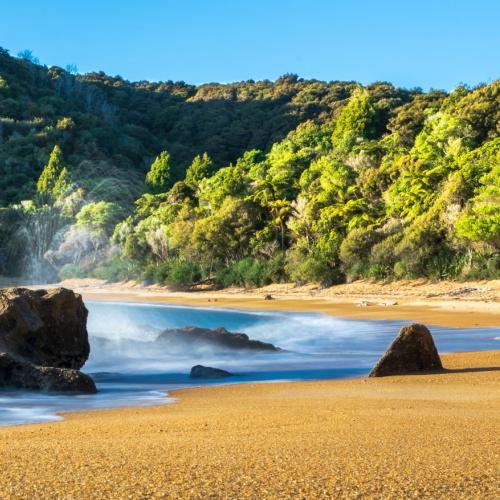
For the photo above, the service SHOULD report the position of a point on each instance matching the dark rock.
(44, 327)
(268, 297)
(413, 351)
(200, 371)
(190, 337)
(23, 375)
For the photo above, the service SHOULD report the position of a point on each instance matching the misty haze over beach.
(130, 368)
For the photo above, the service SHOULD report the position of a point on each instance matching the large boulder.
(200, 371)
(413, 351)
(23, 375)
(218, 338)
(44, 327)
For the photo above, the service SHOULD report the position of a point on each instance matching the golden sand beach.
(424, 436)
(472, 304)
(445, 303)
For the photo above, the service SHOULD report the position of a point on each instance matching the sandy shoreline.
(431, 436)
(427, 436)
(445, 303)
(452, 304)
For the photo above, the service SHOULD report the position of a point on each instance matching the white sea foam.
(131, 370)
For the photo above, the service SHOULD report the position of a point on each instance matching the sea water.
(130, 369)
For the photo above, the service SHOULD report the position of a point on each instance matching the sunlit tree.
(159, 178)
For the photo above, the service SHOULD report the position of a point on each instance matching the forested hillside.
(245, 183)
(108, 125)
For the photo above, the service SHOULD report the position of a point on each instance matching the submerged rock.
(200, 371)
(220, 338)
(412, 351)
(24, 375)
(44, 327)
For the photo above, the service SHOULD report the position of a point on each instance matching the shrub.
(314, 268)
(177, 271)
(247, 272)
(69, 271)
(357, 271)
(484, 266)
(383, 252)
(378, 271)
(356, 247)
(157, 273)
(400, 270)
(184, 272)
(276, 269)
(116, 269)
(445, 265)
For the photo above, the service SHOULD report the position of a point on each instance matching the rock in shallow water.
(218, 338)
(200, 371)
(44, 327)
(23, 375)
(412, 351)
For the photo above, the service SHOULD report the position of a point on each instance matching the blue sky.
(424, 43)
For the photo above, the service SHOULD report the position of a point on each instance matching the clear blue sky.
(426, 43)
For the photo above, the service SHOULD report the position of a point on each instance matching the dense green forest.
(246, 183)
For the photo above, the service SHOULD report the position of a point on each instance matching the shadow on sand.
(472, 370)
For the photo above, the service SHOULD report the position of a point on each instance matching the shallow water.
(130, 370)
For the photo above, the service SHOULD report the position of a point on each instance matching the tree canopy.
(247, 183)
(159, 177)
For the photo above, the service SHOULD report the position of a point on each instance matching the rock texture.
(23, 375)
(412, 351)
(44, 327)
(218, 338)
(200, 371)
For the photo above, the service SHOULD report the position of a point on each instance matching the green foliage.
(482, 266)
(27, 55)
(54, 178)
(177, 272)
(353, 208)
(264, 181)
(355, 122)
(355, 252)
(157, 273)
(62, 185)
(201, 168)
(183, 272)
(228, 181)
(481, 222)
(69, 271)
(248, 272)
(117, 269)
(315, 266)
(99, 217)
(225, 235)
(159, 177)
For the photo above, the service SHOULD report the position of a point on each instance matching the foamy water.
(131, 370)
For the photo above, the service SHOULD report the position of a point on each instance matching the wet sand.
(446, 303)
(426, 436)
(465, 305)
